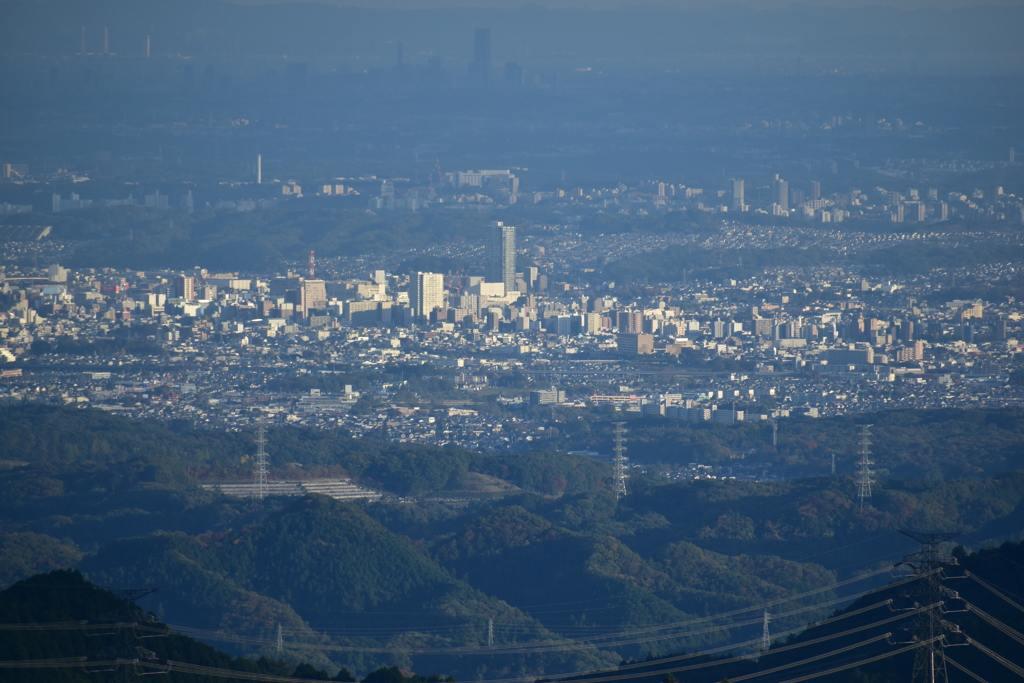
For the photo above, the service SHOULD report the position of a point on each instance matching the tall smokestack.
(312, 265)
(259, 169)
(147, 47)
(83, 41)
(106, 40)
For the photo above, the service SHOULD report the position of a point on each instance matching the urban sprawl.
(811, 341)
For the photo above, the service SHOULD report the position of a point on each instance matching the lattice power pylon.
(865, 476)
(620, 460)
(929, 628)
(126, 653)
(260, 484)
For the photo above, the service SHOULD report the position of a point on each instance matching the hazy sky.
(612, 4)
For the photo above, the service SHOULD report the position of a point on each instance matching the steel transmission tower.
(260, 488)
(620, 460)
(929, 628)
(126, 652)
(864, 473)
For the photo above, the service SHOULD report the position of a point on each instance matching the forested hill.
(60, 627)
(876, 639)
(65, 450)
(115, 452)
(337, 581)
(564, 576)
(60, 618)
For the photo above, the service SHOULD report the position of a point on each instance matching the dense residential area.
(463, 351)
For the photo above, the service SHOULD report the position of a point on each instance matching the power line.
(930, 627)
(852, 665)
(815, 658)
(766, 639)
(997, 657)
(1007, 630)
(927, 563)
(992, 589)
(129, 620)
(786, 648)
(848, 545)
(556, 645)
(601, 641)
(966, 671)
(185, 667)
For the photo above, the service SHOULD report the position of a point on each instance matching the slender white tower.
(259, 169)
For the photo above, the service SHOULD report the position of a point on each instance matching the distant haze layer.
(944, 32)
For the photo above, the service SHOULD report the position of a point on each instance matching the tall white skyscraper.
(426, 293)
(501, 255)
(737, 195)
(781, 188)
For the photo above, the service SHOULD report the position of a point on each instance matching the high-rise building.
(781, 191)
(907, 331)
(561, 325)
(815, 190)
(501, 255)
(314, 295)
(530, 273)
(630, 322)
(480, 69)
(763, 326)
(58, 274)
(737, 195)
(185, 287)
(426, 293)
(999, 328)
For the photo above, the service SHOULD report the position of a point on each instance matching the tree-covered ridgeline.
(551, 557)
